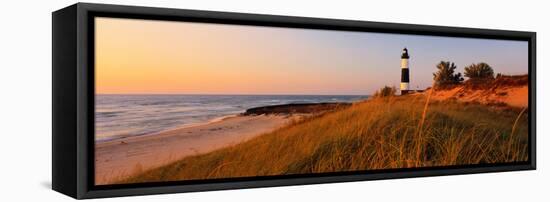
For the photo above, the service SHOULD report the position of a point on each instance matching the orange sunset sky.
(162, 57)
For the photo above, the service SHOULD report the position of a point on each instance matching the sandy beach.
(121, 158)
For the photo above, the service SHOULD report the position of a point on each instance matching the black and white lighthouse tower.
(405, 72)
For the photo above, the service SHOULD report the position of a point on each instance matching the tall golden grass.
(381, 133)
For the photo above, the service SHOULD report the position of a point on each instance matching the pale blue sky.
(375, 57)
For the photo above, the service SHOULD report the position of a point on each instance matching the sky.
(136, 56)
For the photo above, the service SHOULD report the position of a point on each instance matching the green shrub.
(386, 91)
(445, 75)
(479, 71)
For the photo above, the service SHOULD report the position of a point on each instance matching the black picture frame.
(73, 99)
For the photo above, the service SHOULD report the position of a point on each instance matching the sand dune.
(380, 133)
(516, 96)
(118, 159)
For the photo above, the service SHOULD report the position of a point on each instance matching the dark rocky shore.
(305, 108)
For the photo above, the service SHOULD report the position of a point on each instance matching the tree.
(386, 91)
(479, 71)
(445, 75)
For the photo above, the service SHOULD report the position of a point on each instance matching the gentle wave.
(119, 116)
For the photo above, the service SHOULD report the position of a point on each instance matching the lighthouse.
(405, 72)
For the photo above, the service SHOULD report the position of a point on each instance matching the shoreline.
(282, 109)
(120, 158)
(123, 137)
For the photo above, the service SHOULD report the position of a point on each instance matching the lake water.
(119, 116)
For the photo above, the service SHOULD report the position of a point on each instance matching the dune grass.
(381, 133)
